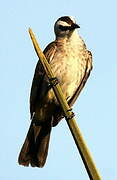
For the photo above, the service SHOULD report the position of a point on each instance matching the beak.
(74, 26)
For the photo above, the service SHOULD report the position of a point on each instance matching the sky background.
(96, 108)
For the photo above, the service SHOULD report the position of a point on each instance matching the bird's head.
(65, 26)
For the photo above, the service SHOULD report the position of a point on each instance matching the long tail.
(35, 148)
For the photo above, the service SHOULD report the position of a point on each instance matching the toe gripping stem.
(71, 115)
(53, 82)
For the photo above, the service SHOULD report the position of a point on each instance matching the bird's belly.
(69, 73)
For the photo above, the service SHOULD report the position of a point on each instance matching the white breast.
(68, 65)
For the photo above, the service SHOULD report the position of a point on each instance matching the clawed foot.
(53, 82)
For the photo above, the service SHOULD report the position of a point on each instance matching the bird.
(71, 63)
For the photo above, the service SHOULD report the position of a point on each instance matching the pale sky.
(96, 108)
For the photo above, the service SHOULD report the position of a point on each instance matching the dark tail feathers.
(35, 148)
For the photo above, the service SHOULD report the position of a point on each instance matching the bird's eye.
(64, 28)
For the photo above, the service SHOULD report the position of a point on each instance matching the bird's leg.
(53, 82)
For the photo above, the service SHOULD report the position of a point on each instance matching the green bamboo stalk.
(80, 143)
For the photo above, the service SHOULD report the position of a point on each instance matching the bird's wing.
(39, 76)
(84, 79)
